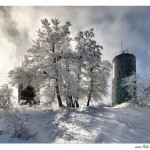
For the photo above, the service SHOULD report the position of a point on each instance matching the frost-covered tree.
(138, 88)
(70, 85)
(5, 97)
(94, 69)
(79, 65)
(45, 57)
(98, 83)
(22, 76)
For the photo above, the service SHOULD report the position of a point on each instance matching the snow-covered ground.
(125, 123)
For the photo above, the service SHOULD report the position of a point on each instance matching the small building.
(124, 65)
(27, 95)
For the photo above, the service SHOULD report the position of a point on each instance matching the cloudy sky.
(131, 25)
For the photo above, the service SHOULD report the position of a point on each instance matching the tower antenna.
(121, 46)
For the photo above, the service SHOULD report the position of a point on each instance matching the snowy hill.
(125, 123)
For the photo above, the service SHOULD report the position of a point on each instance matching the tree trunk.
(76, 103)
(78, 87)
(78, 91)
(89, 99)
(58, 94)
(69, 98)
(91, 89)
(60, 104)
(69, 101)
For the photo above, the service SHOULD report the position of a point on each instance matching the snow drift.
(125, 123)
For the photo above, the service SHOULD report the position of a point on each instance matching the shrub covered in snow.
(5, 97)
(15, 122)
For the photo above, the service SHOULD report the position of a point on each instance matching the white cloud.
(8, 58)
